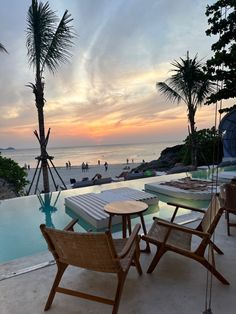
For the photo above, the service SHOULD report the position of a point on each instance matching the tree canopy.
(210, 148)
(13, 173)
(222, 66)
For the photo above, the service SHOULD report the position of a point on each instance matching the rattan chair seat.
(176, 238)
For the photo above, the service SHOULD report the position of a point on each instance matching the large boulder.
(167, 160)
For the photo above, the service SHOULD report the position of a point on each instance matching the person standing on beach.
(69, 164)
(106, 166)
(99, 162)
(83, 166)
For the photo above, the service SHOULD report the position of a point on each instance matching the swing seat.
(168, 236)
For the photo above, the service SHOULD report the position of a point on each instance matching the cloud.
(108, 88)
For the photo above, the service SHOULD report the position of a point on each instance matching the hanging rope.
(208, 291)
(216, 151)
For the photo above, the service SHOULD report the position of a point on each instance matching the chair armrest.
(230, 210)
(130, 242)
(70, 226)
(181, 228)
(187, 207)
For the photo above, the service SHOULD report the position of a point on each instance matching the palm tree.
(191, 85)
(2, 48)
(48, 45)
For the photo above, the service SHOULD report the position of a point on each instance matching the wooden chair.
(168, 236)
(92, 251)
(228, 198)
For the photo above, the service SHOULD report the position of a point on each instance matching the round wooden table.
(126, 209)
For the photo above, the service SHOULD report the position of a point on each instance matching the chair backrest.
(212, 215)
(93, 251)
(229, 196)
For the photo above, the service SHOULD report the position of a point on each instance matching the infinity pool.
(20, 218)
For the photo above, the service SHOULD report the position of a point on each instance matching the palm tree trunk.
(193, 139)
(40, 104)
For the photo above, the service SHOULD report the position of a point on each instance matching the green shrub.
(13, 173)
(209, 148)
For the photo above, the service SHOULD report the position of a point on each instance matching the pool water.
(207, 174)
(20, 218)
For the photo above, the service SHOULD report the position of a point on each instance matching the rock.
(181, 168)
(167, 160)
(8, 148)
(6, 190)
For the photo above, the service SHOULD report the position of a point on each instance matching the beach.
(75, 172)
(116, 156)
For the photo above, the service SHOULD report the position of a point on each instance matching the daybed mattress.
(90, 206)
(179, 193)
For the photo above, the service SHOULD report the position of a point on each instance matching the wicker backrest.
(212, 215)
(230, 196)
(94, 251)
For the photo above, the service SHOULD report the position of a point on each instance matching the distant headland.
(8, 148)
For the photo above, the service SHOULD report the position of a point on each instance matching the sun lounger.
(102, 181)
(81, 184)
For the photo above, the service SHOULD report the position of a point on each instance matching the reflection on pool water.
(20, 217)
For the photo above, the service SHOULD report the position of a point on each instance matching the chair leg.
(213, 270)
(227, 221)
(216, 248)
(147, 249)
(121, 281)
(137, 263)
(60, 271)
(156, 258)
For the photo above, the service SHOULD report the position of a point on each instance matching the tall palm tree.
(2, 48)
(48, 45)
(191, 85)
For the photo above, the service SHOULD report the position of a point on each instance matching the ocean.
(112, 154)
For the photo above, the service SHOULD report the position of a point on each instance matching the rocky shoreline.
(169, 162)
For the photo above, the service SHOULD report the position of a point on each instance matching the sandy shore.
(76, 173)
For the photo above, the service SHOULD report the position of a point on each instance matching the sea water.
(113, 154)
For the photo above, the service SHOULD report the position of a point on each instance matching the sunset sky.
(107, 93)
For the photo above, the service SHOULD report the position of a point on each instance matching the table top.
(125, 207)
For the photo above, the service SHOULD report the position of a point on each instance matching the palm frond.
(2, 48)
(207, 87)
(58, 51)
(169, 92)
(40, 30)
(188, 83)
